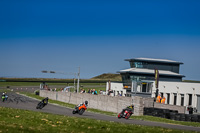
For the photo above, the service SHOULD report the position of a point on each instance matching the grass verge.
(16, 120)
(5, 84)
(4, 90)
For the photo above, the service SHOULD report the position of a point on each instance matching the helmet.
(3, 94)
(86, 102)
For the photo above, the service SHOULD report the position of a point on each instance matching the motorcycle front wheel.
(119, 115)
(127, 116)
(81, 111)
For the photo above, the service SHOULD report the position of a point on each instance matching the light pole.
(78, 79)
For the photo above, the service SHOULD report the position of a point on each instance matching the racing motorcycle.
(127, 114)
(43, 103)
(80, 109)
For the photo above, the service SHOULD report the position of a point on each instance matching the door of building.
(198, 103)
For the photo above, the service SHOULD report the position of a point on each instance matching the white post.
(171, 99)
(186, 97)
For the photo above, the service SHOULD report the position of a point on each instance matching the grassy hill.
(108, 76)
(98, 79)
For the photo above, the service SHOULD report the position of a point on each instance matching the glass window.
(175, 97)
(190, 99)
(182, 99)
(168, 98)
(138, 64)
(161, 94)
(144, 87)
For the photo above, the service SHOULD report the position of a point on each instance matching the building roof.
(154, 60)
(149, 71)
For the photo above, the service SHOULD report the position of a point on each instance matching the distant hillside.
(191, 81)
(108, 76)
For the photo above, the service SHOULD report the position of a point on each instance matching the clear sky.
(96, 35)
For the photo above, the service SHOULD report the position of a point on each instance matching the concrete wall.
(101, 102)
(108, 103)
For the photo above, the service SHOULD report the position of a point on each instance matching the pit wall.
(103, 102)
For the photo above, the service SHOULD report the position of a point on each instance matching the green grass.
(146, 118)
(4, 90)
(5, 84)
(16, 120)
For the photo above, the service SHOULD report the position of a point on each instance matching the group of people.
(82, 91)
(160, 99)
(92, 91)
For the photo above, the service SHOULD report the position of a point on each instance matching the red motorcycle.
(125, 114)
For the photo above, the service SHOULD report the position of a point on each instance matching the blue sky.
(96, 35)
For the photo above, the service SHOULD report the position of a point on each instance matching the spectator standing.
(159, 98)
(163, 100)
(91, 91)
(94, 92)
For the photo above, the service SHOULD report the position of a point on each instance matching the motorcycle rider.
(42, 103)
(86, 104)
(3, 96)
(45, 100)
(128, 108)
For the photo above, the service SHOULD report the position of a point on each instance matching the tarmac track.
(23, 102)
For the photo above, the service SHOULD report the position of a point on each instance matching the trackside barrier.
(105, 102)
(101, 102)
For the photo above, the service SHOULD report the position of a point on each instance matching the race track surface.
(23, 102)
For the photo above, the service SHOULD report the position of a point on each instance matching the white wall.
(179, 88)
(116, 87)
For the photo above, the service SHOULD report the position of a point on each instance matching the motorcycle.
(127, 114)
(41, 105)
(79, 109)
